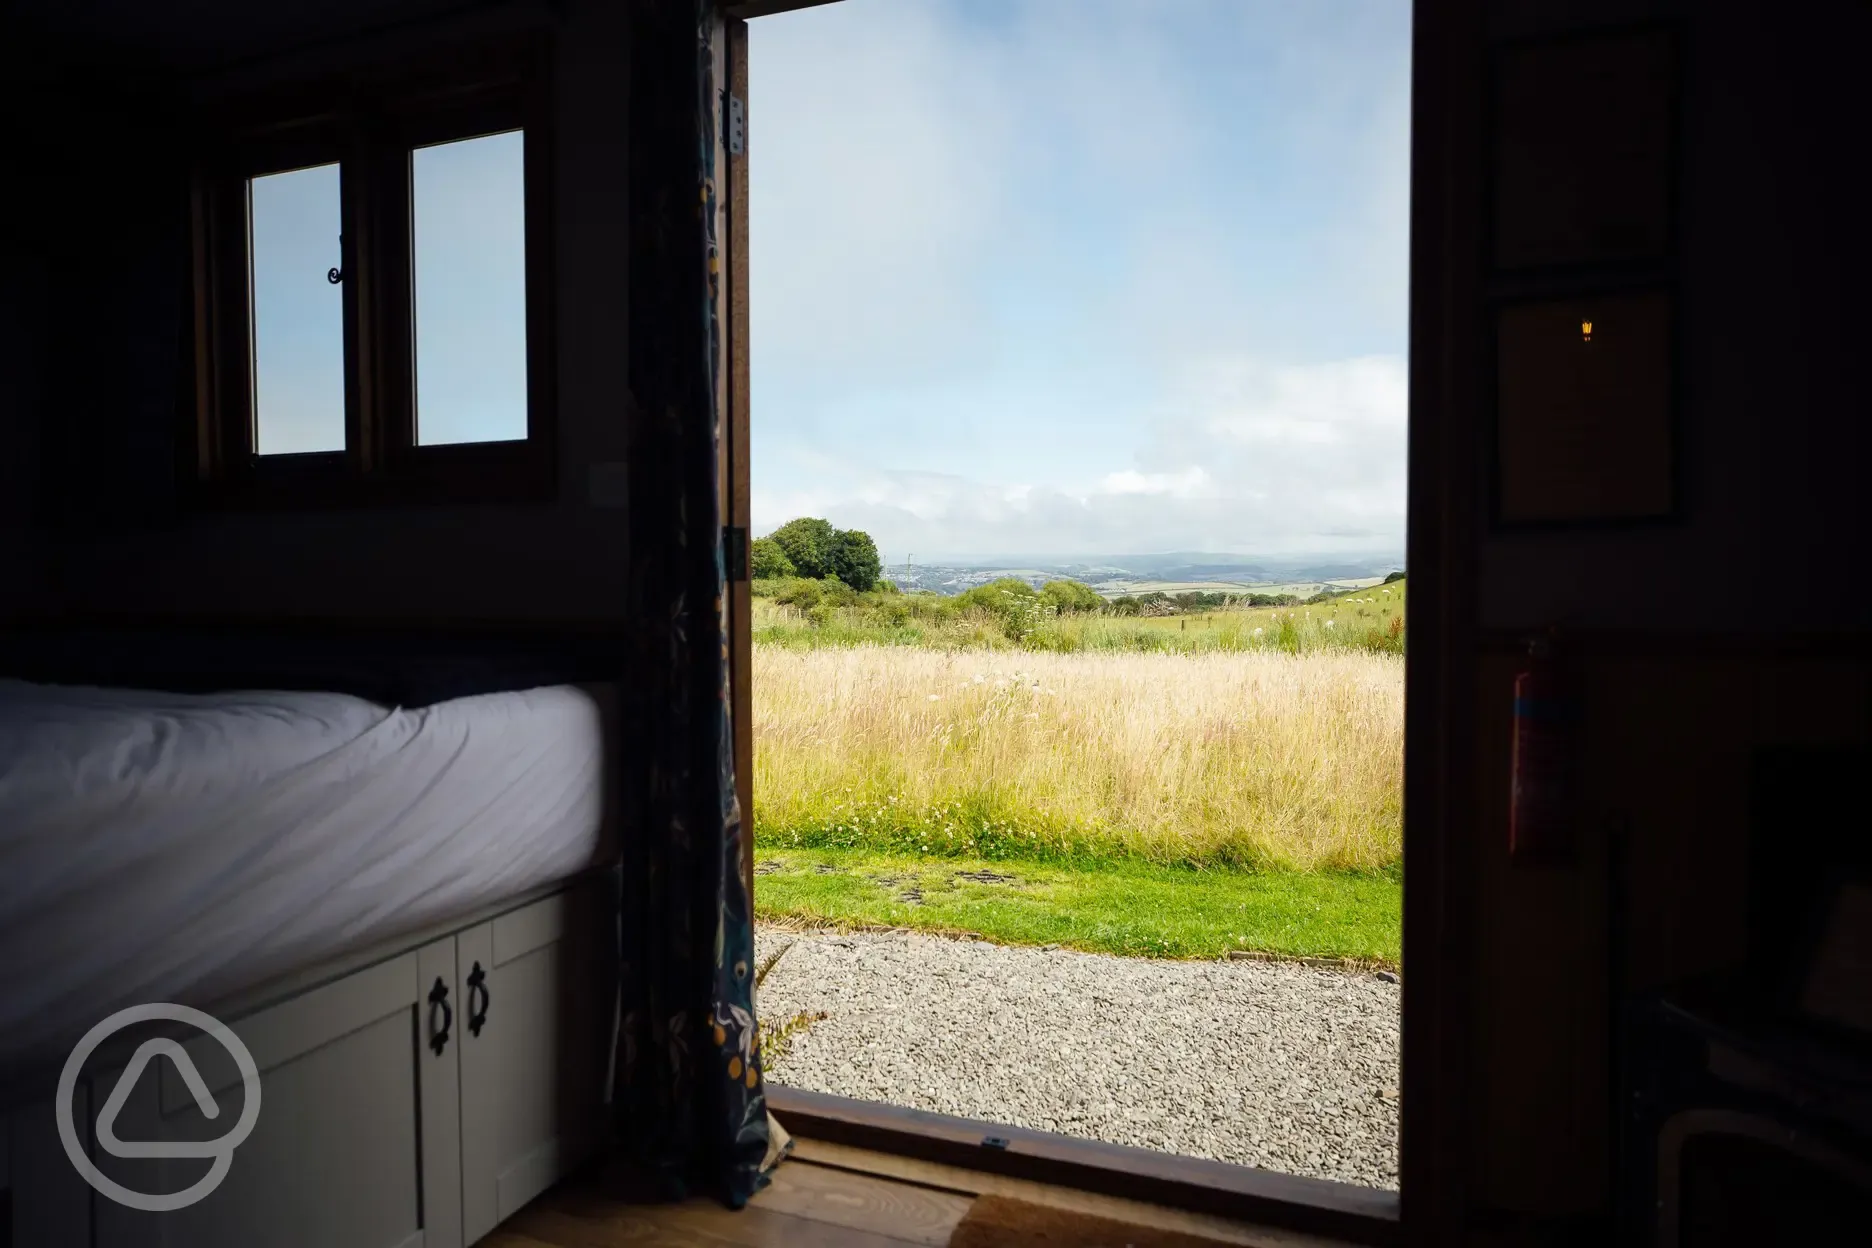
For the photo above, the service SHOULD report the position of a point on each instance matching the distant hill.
(1172, 573)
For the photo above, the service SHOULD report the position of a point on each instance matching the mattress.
(169, 847)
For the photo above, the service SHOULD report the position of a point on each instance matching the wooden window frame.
(370, 123)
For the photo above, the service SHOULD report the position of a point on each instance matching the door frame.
(1440, 769)
(731, 70)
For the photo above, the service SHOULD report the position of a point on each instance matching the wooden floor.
(838, 1197)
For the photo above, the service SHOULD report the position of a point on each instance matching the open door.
(1301, 1203)
(732, 230)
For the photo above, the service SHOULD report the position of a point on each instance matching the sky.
(467, 209)
(1051, 278)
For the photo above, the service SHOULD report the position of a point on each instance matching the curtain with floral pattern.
(689, 1103)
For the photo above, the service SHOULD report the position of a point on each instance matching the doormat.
(1001, 1222)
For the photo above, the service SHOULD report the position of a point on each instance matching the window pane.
(470, 254)
(298, 316)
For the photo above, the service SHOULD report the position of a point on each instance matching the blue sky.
(468, 213)
(1101, 277)
(298, 316)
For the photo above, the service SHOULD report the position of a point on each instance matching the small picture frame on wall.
(1585, 410)
(1584, 150)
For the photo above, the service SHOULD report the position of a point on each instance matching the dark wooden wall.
(1700, 642)
(1776, 263)
(27, 283)
(90, 421)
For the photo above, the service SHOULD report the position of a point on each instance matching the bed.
(348, 883)
(172, 847)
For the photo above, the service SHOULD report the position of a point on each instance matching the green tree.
(768, 560)
(1070, 596)
(1015, 604)
(854, 559)
(995, 595)
(804, 594)
(1393, 576)
(808, 542)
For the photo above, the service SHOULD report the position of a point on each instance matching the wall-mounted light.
(1583, 432)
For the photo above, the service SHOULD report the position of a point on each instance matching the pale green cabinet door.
(539, 992)
(357, 1141)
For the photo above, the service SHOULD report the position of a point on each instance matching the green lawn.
(1117, 906)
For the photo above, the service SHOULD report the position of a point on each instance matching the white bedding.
(164, 847)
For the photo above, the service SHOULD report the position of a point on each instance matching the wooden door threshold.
(1338, 1211)
(961, 1181)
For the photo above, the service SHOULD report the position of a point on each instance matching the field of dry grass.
(1249, 758)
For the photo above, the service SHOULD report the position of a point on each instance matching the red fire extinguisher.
(1540, 811)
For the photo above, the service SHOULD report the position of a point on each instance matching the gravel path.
(1265, 1064)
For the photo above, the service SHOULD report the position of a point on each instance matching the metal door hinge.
(735, 552)
(734, 125)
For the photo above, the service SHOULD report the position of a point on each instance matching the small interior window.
(468, 216)
(363, 265)
(294, 224)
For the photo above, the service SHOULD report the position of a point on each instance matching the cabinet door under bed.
(357, 1140)
(43, 1201)
(538, 991)
(413, 1102)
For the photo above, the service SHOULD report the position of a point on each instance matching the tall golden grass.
(1249, 758)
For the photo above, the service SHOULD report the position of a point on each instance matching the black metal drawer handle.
(438, 1001)
(477, 1014)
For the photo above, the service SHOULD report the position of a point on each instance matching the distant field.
(1241, 758)
(1303, 589)
(1371, 619)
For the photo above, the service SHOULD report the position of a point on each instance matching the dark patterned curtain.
(690, 1105)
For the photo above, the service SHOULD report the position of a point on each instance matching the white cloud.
(1247, 457)
(1183, 484)
(880, 167)
(1084, 197)
(1258, 405)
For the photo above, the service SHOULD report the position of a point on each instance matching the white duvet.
(165, 847)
